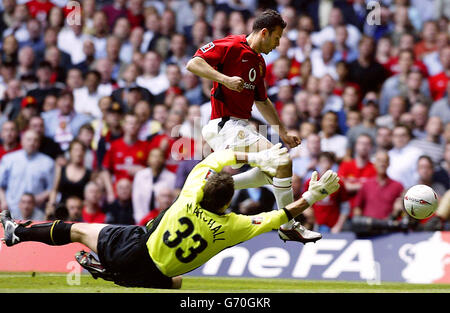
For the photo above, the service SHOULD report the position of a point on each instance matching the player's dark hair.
(268, 19)
(217, 192)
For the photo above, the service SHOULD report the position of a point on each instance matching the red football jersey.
(233, 56)
(120, 156)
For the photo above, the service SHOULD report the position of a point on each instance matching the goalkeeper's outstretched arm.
(318, 190)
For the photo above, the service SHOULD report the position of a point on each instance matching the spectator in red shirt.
(39, 8)
(330, 213)
(108, 129)
(429, 33)
(356, 171)
(135, 13)
(438, 83)
(10, 138)
(125, 157)
(114, 11)
(379, 197)
(92, 210)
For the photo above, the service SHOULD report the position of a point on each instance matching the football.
(420, 201)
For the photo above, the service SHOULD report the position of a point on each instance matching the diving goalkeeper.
(182, 237)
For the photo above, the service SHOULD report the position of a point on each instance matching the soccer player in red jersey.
(237, 69)
(126, 155)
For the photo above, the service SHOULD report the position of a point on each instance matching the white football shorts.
(235, 134)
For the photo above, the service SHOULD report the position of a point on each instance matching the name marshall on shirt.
(198, 212)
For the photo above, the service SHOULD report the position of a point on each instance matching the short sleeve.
(214, 52)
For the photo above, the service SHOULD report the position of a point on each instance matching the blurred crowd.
(101, 122)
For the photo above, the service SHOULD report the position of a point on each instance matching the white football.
(420, 201)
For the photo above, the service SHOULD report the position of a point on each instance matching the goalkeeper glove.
(319, 189)
(269, 160)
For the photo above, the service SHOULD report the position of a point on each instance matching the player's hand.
(234, 83)
(269, 160)
(291, 141)
(319, 189)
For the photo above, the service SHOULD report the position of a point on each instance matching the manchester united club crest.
(241, 135)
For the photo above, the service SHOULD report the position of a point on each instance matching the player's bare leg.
(282, 189)
(86, 234)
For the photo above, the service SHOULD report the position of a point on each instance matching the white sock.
(252, 178)
(282, 190)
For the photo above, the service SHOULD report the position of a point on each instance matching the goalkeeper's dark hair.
(217, 192)
(268, 19)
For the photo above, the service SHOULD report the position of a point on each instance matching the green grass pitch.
(61, 283)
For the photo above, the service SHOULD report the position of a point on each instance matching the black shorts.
(123, 252)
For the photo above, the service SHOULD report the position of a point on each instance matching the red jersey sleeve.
(214, 53)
